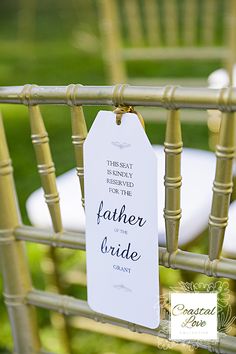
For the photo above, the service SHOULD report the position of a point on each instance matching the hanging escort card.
(121, 220)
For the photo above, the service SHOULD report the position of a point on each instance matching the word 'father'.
(119, 216)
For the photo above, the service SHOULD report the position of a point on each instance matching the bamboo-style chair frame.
(20, 298)
(157, 30)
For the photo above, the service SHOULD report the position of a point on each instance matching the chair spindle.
(112, 41)
(152, 22)
(46, 167)
(189, 24)
(171, 22)
(223, 184)
(172, 180)
(79, 133)
(209, 22)
(13, 264)
(134, 22)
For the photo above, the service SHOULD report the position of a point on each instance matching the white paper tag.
(121, 220)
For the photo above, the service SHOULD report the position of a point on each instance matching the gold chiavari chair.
(20, 297)
(159, 30)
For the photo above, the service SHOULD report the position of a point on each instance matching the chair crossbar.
(170, 97)
(65, 239)
(74, 307)
(200, 263)
(175, 53)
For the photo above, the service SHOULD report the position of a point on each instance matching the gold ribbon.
(120, 110)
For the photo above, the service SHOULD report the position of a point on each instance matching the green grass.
(46, 63)
(168, 69)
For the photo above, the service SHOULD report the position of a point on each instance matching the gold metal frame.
(20, 297)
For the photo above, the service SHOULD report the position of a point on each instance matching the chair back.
(20, 297)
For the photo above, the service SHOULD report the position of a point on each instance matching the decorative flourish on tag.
(122, 287)
(120, 145)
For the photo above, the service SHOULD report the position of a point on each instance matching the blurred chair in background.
(157, 30)
(216, 80)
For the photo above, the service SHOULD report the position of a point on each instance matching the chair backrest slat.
(13, 264)
(208, 25)
(111, 39)
(223, 184)
(133, 21)
(189, 22)
(171, 23)
(173, 148)
(79, 133)
(152, 22)
(45, 164)
(11, 214)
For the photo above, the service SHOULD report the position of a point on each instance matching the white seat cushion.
(197, 169)
(229, 245)
(220, 78)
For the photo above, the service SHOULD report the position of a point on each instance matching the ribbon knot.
(120, 110)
